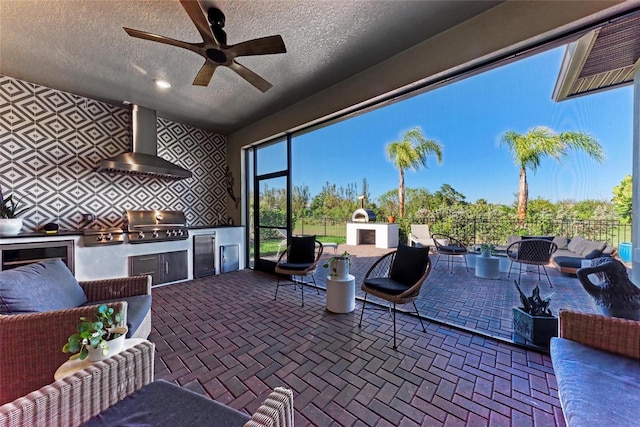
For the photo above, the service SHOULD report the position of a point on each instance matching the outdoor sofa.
(40, 307)
(120, 391)
(596, 360)
(571, 251)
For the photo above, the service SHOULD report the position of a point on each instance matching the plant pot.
(391, 219)
(115, 346)
(485, 253)
(10, 226)
(625, 249)
(537, 329)
(339, 269)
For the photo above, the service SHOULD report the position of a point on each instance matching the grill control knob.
(168, 233)
(99, 237)
(140, 235)
(109, 237)
(155, 234)
(174, 232)
(180, 232)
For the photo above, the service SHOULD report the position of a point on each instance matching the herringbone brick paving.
(225, 336)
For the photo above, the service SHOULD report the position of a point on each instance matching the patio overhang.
(600, 60)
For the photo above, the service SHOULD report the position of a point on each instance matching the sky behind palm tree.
(468, 118)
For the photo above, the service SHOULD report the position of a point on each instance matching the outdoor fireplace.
(363, 230)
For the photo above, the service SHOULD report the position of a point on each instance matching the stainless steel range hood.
(143, 159)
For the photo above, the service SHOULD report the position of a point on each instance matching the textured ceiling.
(79, 46)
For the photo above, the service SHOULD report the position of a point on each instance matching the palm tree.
(411, 153)
(529, 149)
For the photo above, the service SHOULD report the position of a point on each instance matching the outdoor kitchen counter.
(106, 262)
(32, 234)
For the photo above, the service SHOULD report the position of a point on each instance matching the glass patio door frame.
(262, 264)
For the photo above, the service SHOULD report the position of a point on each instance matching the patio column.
(635, 172)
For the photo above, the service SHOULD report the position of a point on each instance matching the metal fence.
(473, 231)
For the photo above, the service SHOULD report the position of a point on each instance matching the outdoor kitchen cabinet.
(163, 267)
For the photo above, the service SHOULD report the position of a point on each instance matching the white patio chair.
(420, 236)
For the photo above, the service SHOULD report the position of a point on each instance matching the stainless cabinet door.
(230, 258)
(174, 265)
(145, 265)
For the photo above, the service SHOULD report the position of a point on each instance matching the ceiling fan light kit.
(214, 48)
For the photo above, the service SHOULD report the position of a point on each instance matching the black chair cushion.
(302, 250)
(409, 264)
(294, 266)
(386, 285)
(567, 261)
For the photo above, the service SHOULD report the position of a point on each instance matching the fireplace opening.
(366, 237)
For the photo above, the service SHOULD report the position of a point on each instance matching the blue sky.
(468, 118)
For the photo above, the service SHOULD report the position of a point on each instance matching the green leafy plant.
(487, 246)
(535, 305)
(623, 198)
(9, 207)
(345, 255)
(95, 333)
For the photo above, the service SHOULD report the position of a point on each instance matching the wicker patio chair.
(298, 261)
(531, 252)
(31, 344)
(451, 248)
(397, 277)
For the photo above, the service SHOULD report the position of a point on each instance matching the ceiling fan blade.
(193, 9)
(160, 39)
(251, 77)
(205, 74)
(262, 46)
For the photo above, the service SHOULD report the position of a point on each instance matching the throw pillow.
(576, 244)
(43, 286)
(409, 264)
(303, 250)
(590, 246)
(561, 242)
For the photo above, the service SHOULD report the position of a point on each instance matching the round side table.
(341, 294)
(488, 267)
(70, 367)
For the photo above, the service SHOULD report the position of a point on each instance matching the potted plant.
(391, 219)
(99, 338)
(486, 250)
(534, 321)
(339, 266)
(10, 225)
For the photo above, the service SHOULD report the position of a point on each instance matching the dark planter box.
(537, 329)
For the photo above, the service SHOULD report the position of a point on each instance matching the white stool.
(488, 267)
(341, 294)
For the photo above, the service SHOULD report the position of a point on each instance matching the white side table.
(341, 294)
(70, 367)
(488, 267)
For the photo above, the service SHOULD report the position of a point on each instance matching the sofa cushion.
(561, 241)
(568, 261)
(137, 308)
(43, 286)
(161, 403)
(596, 387)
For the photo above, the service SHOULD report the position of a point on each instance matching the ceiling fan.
(214, 48)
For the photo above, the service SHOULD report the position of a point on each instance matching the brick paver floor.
(225, 337)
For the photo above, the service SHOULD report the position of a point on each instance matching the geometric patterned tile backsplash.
(51, 143)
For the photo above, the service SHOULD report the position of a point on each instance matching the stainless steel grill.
(144, 226)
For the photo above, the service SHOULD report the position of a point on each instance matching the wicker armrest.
(620, 336)
(31, 347)
(98, 290)
(72, 400)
